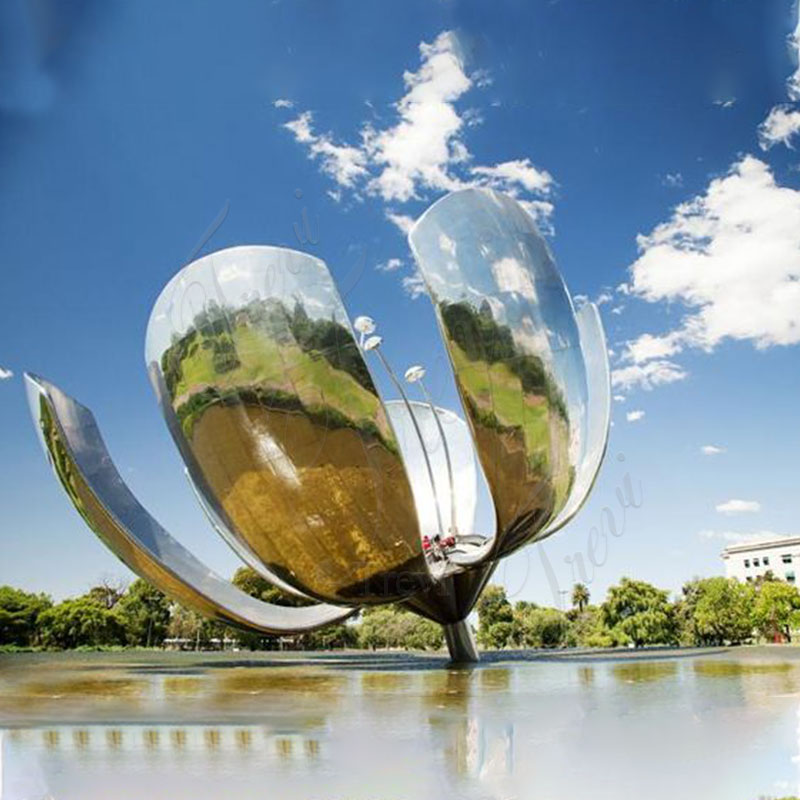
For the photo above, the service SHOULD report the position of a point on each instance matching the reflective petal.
(598, 374)
(78, 455)
(462, 458)
(509, 326)
(276, 415)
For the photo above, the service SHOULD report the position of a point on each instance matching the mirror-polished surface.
(458, 440)
(510, 329)
(598, 379)
(84, 468)
(274, 410)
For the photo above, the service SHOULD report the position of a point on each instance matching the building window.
(786, 558)
(747, 563)
(766, 561)
(790, 577)
(756, 562)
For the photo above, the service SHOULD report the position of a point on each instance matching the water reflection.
(645, 671)
(544, 729)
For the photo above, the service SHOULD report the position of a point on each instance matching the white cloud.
(711, 450)
(736, 506)
(673, 179)
(421, 146)
(423, 149)
(341, 162)
(5, 374)
(725, 102)
(512, 276)
(634, 416)
(619, 398)
(414, 286)
(402, 221)
(731, 257)
(794, 81)
(390, 266)
(779, 127)
(519, 173)
(737, 537)
(647, 376)
(282, 102)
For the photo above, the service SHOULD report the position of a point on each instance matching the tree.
(587, 629)
(539, 627)
(580, 596)
(391, 626)
(716, 611)
(777, 609)
(79, 622)
(639, 612)
(495, 618)
(19, 613)
(194, 628)
(145, 613)
(106, 593)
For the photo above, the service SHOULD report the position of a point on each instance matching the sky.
(655, 144)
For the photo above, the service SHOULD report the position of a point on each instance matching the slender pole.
(453, 525)
(419, 435)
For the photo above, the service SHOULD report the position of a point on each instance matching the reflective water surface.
(703, 725)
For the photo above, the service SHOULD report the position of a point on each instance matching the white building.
(779, 556)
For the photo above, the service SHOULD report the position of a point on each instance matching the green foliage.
(715, 611)
(482, 339)
(195, 628)
(79, 622)
(144, 612)
(19, 614)
(587, 629)
(540, 627)
(638, 612)
(580, 596)
(495, 618)
(777, 609)
(394, 627)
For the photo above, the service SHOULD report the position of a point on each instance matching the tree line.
(112, 615)
(709, 611)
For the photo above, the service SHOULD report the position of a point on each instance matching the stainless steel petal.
(598, 375)
(78, 455)
(462, 455)
(277, 416)
(238, 547)
(509, 326)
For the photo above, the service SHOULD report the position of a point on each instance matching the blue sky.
(127, 130)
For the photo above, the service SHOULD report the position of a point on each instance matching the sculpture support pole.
(460, 643)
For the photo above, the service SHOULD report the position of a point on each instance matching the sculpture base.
(460, 643)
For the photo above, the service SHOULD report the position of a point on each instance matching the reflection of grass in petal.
(265, 362)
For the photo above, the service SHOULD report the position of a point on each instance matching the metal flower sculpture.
(317, 483)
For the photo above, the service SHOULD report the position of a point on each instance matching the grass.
(265, 362)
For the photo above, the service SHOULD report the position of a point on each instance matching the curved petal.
(598, 377)
(78, 455)
(462, 458)
(238, 547)
(509, 326)
(277, 417)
